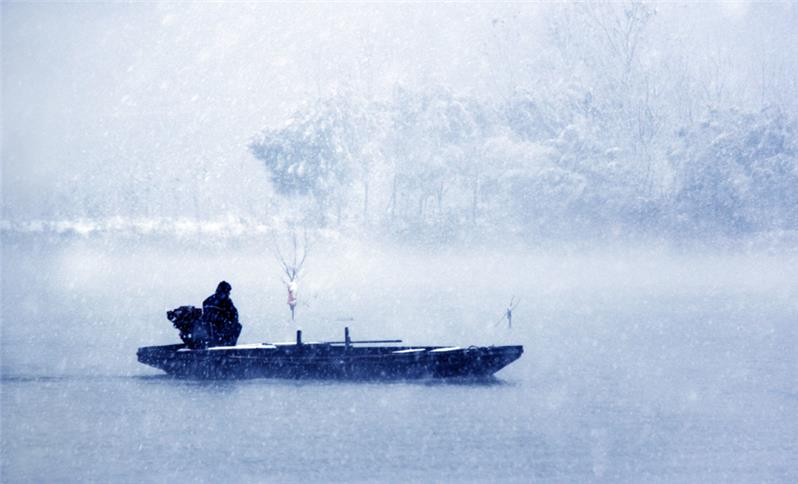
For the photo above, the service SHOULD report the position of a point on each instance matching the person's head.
(223, 289)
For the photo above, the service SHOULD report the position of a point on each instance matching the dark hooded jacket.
(221, 316)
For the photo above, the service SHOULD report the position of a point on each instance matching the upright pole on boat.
(299, 337)
(347, 340)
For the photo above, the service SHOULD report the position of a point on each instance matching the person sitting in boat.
(221, 315)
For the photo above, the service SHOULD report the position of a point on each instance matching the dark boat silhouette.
(367, 360)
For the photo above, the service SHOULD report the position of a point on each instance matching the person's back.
(221, 315)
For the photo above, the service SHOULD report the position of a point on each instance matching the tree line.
(606, 129)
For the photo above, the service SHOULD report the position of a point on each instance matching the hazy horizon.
(147, 109)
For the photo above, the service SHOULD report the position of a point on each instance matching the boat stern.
(160, 357)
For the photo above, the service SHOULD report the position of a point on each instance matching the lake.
(653, 364)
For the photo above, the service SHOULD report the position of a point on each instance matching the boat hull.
(326, 361)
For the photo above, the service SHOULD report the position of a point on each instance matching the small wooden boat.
(330, 360)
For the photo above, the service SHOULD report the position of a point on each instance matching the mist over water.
(625, 170)
(639, 363)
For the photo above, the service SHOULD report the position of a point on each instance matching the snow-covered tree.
(738, 172)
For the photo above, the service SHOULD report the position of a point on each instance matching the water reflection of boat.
(347, 359)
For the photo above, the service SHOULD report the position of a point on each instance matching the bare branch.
(304, 250)
(279, 256)
(293, 239)
(293, 266)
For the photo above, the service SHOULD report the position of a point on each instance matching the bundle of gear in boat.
(216, 324)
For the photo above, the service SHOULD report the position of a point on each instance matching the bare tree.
(292, 265)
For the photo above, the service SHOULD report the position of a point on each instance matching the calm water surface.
(659, 370)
